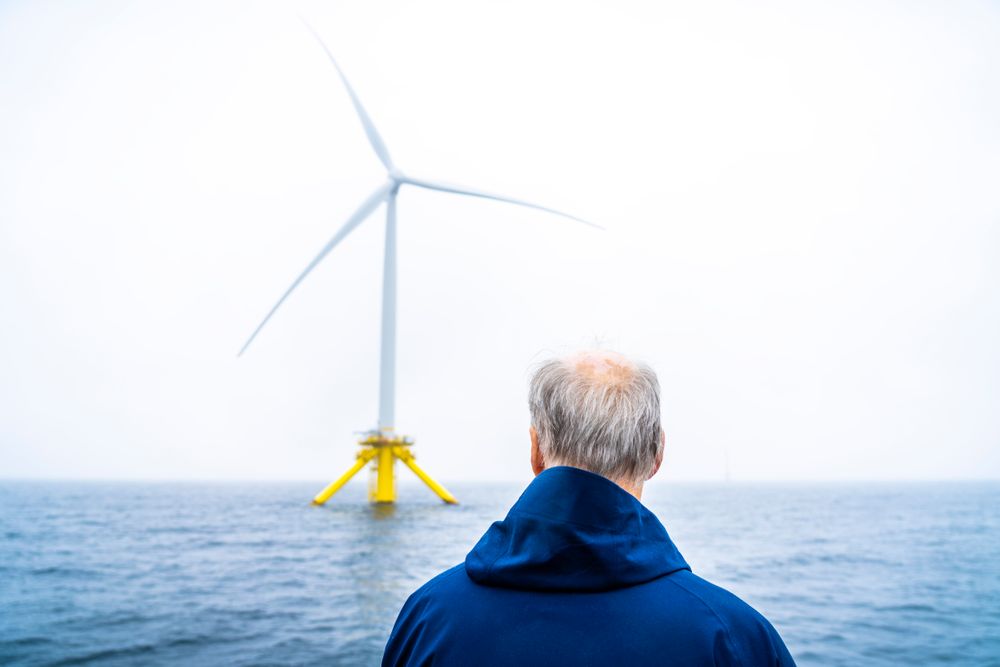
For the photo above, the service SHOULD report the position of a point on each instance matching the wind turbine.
(382, 444)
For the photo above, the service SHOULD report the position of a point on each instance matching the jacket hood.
(572, 530)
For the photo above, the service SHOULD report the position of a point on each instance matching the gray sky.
(801, 201)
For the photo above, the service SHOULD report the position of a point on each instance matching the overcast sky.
(801, 202)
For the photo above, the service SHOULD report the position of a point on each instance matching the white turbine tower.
(382, 444)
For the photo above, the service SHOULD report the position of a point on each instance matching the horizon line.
(407, 482)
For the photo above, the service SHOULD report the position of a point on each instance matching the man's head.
(599, 411)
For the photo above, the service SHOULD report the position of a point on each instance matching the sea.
(122, 573)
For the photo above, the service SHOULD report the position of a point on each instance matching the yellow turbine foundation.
(382, 451)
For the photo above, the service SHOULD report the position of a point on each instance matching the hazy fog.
(801, 201)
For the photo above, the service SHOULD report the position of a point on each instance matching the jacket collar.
(572, 530)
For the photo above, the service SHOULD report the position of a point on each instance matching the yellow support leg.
(404, 455)
(385, 483)
(384, 450)
(364, 456)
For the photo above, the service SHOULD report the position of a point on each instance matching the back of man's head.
(599, 411)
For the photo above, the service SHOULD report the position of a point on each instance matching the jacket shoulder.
(442, 585)
(418, 631)
(750, 638)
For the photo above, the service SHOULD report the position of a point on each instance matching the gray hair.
(607, 423)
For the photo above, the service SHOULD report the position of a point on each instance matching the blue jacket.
(579, 573)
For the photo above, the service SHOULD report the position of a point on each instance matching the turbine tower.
(383, 445)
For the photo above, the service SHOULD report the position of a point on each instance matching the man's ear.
(537, 460)
(659, 454)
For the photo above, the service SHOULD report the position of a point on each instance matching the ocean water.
(250, 574)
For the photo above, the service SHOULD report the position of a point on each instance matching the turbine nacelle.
(397, 176)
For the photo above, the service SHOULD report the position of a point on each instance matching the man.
(580, 572)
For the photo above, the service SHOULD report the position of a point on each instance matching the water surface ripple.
(250, 574)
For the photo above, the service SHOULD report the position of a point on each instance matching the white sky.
(802, 203)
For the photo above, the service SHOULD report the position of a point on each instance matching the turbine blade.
(374, 138)
(461, 190)
(369, 205)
